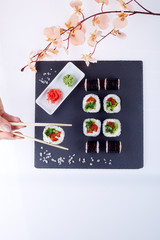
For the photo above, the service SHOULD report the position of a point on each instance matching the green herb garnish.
(111, 104)
(68, 80)
(111, 127)
(50, 131)
(89, 124)
(90, 105)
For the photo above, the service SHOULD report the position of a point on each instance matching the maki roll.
(112, 103)
(92, 147)
(113, 146)
(91, 127)
(92, 84)
(53, 134)
(111, 127)
(91, 103)
(112, 84)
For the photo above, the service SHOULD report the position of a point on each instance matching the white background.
(75, 204)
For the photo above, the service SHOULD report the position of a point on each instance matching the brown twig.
(145, 9)
(91, 54)
(102, 7)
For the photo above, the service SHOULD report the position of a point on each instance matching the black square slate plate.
(130, 116)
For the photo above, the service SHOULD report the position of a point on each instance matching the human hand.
(5, 118)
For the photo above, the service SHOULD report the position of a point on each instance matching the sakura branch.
(75, 29)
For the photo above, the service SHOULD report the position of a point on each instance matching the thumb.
(5, 125)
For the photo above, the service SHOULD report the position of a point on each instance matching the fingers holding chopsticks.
(14, 119)
(5, 127)
(10, 135)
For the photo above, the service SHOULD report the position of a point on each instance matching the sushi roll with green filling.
(53, 134)
(112, 103)
(91, 127)
(91, 103)
(111, 127)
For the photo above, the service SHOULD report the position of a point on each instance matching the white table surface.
(75, 204)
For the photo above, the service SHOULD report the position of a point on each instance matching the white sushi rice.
(118, 100)
(94, 134)
(97, 105)
(116, 133)
(47, 138)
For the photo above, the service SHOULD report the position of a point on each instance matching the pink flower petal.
(103, 22)
(125, 5)
(93, 60)
(58, 43)
(129, 7)
(77, 38)
(88, 58)
(121, 35)
(81, 27)
(120, 24)
(102, 1)
(91, 42)
(52, 32)
(76, 4)
(73, 21)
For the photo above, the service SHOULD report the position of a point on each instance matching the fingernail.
(6, 128)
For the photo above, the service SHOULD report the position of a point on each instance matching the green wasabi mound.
(68, 80)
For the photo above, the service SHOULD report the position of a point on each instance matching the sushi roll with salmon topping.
(111, 128)
(113, 146)
(91, 127)
(92, 147)
(111, 83)
(53, 134)
(112, 103)
(92, 84)
(91, 103)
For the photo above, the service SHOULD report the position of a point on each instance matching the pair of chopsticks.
(39, 125)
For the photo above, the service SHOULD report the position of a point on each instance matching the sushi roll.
(112, 84)
(91, 127)
(92, 84)
(53, 134)
(111, 127)
(91, 103)
(112, 103)
(92, 147)
(113, 146)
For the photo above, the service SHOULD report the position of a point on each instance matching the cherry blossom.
(81, 27)
(102, 1)
(77, 37)
(126, 6)
(72, 22)
(76, 5)
(121, 21)
(53, 35)
(93, 37)
(118, 34)
(101, 21)
(88, 59)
